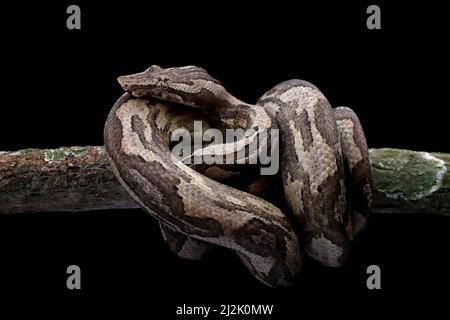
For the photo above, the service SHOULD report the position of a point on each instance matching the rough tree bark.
(79, 179)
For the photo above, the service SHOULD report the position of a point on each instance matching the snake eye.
(154, 68)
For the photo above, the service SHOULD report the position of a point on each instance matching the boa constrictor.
(325, 170)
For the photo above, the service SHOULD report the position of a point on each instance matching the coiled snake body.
(324, 168)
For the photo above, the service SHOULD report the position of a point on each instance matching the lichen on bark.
(410, 182)
(60, 154)
(406, 174)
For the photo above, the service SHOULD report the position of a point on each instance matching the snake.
(325, 170)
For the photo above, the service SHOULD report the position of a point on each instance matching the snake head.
(156, 78)
(148, 79)
(177, 84)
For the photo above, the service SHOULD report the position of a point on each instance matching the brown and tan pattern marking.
(321, 152)
(191, 203)
(312, 168)
(356, 159)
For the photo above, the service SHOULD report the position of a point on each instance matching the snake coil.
(325, 170)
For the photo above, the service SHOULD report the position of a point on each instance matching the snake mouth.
(138, 86)
(142, 80)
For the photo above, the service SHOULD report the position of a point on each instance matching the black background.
(58, 86)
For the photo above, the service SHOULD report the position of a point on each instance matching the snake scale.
(325, 170)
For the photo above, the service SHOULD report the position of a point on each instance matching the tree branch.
(79, 179)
